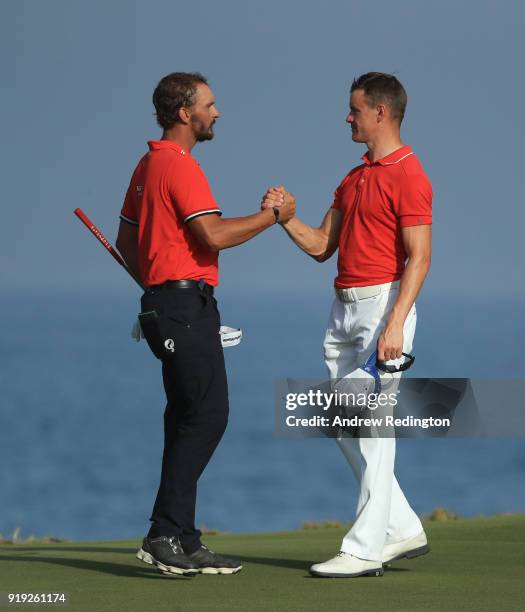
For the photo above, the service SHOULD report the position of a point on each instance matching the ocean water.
(81, 417)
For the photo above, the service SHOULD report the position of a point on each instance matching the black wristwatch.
(276, 213)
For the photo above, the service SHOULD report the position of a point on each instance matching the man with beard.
(380, 221)
(169, 235)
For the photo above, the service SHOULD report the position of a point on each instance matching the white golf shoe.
(345, 565)
(409, 548)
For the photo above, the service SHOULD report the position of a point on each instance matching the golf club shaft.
(105, 242)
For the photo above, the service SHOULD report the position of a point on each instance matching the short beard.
(200, 133)
(205, 136)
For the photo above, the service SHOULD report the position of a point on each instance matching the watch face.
(276, 213)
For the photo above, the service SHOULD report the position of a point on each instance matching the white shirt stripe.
(128, 220)
(400, 159)
(202, 212)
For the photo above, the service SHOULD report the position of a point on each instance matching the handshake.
(278, 197)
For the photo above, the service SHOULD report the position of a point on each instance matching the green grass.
(474, 564)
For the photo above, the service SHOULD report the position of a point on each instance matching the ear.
(184, 115)
(381, 113)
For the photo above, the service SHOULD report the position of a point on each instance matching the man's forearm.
(132, 262)
(411, 283)
(128, 246)
(130, 256)
(417, 241)
(320, 243)
(218, 234)
(309, 239)
(232, 232)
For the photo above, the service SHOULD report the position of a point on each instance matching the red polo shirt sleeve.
(337, 198)
(414, 203)
(338, 203)
(190, 191)
(129, 212)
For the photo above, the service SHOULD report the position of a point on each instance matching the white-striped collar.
(398, 160)
(392, 158)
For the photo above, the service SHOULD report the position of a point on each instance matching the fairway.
(474, 564)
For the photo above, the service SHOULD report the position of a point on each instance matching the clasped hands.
(278, 197)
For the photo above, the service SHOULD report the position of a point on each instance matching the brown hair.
(380, 87)
(173, 92)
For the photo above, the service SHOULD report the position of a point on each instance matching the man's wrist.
(395, 319)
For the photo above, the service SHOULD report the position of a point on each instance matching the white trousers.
(383, 514)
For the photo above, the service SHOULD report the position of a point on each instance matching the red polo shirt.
(167, 190)
(376, 200)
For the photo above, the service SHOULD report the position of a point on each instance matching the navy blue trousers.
(196, 412)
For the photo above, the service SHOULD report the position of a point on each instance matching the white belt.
(354, 294)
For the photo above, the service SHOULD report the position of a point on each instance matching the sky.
(76, 115)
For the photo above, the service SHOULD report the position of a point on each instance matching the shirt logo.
(170, 345)
(139, 190)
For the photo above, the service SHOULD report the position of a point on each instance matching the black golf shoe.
(209, 562)
(167, 554)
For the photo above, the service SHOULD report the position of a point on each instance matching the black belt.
(183, 284)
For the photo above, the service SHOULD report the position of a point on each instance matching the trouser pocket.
(162, 334)
(172, 321)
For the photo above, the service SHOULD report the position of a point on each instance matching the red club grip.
(104, 241)
(98, 234)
